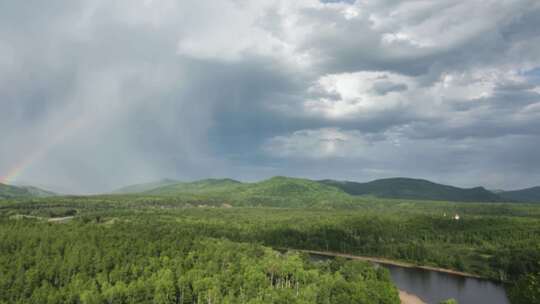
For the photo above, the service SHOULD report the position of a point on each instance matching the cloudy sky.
(98, 94)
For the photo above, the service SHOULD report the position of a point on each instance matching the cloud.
(316, 144)
(385, 87)
(112, 93)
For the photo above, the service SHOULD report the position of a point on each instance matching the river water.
(433, 286)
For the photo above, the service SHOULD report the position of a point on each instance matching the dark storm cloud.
(384, 87)
(130, 91)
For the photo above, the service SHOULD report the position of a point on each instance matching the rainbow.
(15, 171)
(27, 161)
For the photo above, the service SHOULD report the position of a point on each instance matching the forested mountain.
(138, 188)
(201, 186)
(9, 191)
(409, 188)
(304, 192)
(276, 192)
(529, 195)
(292, 192)
(38, 192)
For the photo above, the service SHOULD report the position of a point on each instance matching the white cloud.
(350, 94)
(329, 143)
(444, 24)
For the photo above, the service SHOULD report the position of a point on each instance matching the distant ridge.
(38, 192)
(138, 188)
(9, 191)
(287, 191)
(410, 188)
(528, 195)
(277, 191)
(281, 191)
(200, 186)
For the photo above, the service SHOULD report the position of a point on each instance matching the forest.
(165, 263)
(145, 249)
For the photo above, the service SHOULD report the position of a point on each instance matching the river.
(434, 286)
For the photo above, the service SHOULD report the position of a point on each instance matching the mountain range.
(529, 195)
(287, 191)
(277, 191)
(415, 189)
(138, 188)
(392, 188)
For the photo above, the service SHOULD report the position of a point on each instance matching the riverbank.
(50, 220)
(408, 298)
(385, 261)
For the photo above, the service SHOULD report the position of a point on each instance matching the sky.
(99, 94)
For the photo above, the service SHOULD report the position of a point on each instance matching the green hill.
(211, 185)
(292, 192)
(275, 192)
(529, 195)
(296, 192)
(8, 191)
(408, 188)
(38, 192)
(138, 188)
